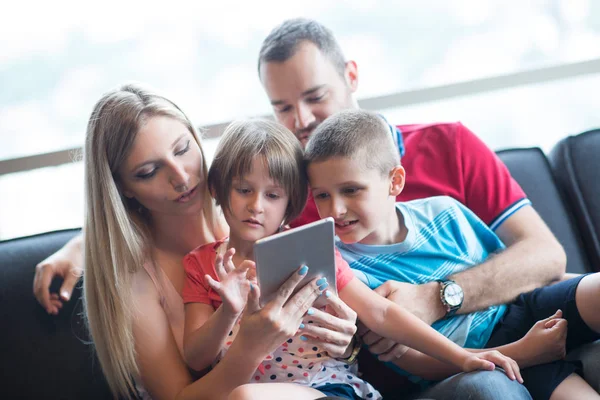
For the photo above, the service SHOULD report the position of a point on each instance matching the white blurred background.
(57, 58)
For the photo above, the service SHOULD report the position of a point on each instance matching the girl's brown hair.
(241, 142)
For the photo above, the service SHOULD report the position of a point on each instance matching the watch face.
(453, 295)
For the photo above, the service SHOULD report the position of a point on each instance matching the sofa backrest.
(531, 169)
(42, 356)
(576, 163)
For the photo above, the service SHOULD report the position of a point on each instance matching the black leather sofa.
(46, 357)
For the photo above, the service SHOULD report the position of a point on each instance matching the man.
(307, 79)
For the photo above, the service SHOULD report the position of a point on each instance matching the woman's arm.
(162, 368)
(206, 331)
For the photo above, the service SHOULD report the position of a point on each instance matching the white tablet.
(280, 255)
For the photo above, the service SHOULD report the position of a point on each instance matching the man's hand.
(65, 263)
(421, 300)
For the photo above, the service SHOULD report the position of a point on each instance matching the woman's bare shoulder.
(143, 287)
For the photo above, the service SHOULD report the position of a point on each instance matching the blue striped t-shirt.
(444, 237)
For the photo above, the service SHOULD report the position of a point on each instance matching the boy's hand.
(545, 342)
(234, 285)
(488, 360)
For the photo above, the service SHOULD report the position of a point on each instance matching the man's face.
(307, 88)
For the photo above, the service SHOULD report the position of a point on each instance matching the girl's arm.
(389, 320)
(206, 331)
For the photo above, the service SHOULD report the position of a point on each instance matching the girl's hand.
(263, 330)
(234, 285)
(488, 360)
(332, 330)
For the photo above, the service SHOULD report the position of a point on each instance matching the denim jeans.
(479, 385)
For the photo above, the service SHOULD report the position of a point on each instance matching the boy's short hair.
(283, 42)
(356, 134)
(281, 151)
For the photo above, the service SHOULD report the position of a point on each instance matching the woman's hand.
(233, 285)
(487, 361)
(263, 330)
(331, 330)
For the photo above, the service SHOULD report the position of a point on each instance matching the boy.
(355, 176)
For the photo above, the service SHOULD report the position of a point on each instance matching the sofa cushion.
(530, 167)
(576, 166)
(42, 356)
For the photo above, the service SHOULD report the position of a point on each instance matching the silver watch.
(451, 295)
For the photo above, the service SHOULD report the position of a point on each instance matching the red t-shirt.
(448, 159)
(201, 261)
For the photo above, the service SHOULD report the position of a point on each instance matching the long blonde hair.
(117, 238)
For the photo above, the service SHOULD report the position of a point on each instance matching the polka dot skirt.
(298, 362)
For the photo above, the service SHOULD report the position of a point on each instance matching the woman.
(147, 205)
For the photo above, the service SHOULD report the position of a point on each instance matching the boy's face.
(257, 204)
(361, 201)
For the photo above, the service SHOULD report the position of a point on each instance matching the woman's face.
(163, 171)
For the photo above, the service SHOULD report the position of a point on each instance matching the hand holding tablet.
(280, 255)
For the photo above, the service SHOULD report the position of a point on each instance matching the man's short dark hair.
(283, 41)
(357, 134)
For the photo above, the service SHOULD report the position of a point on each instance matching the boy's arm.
(544, 343)
(390, 320)
(206, 330)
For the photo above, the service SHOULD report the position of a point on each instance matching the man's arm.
(66, 263)
(532, 258)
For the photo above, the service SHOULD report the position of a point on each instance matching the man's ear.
(351, 75)
(397, 180)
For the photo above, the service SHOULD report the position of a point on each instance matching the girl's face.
(163, 172)
(257, 204)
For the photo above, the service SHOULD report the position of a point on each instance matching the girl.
(258, 178)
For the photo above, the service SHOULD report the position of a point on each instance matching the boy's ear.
(397, 180)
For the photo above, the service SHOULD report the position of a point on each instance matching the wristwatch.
(451, 295)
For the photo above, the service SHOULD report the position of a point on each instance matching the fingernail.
(323, 286)
(303, 338)
(321, 281)
(303, 270)
(310, 311)
(328, 294)
(301, 326)
(252, 287)
(65, 294)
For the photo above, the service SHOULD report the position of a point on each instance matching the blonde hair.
(117, 239)
(281, 151)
